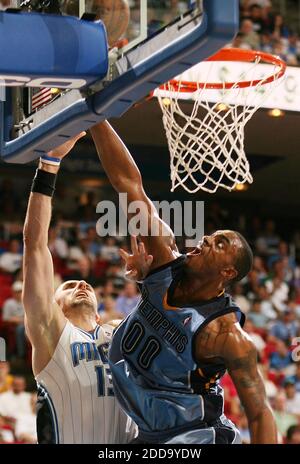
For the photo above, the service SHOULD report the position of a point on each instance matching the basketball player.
(168, 355)
(76, 403)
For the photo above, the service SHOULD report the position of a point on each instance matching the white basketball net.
(205, 139)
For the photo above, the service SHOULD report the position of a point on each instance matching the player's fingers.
(79, 136)
(142, 248)
(124, 255)
(131, 274)
(149, 260)
(134, 245)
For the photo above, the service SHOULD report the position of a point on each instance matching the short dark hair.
(244, 259)
(291, 430)
(255, 5)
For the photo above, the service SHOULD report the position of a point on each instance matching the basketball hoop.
(206, 139)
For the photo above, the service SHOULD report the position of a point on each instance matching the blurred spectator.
(260, 268)
(4, 4)
(128, 299)
(231, 404)
(108, 311)
(252, 285)
(116, 274)
(13, 315)
(256, 16)
(86, 210)
(293, 435)
(110, 250)
(77, 252)
(6, 378)
(84, 272)
(57, 245)
(296, 377)
(286, 328)
(262, 3)
(16, 401)
(275, 36)
(283, 419)
(109, 289)
(281, 358)
(266, 43)
(256, 316)
(243, 427)
(278, 29)
(93, 242)
(267, 243)
(250, 37)
(11, 260)
(238, 42)
(278, 290)
(6, 432)
(284, 256)
(239, 297)
(25, 427)
(293, 48)
(266, 305)
(271, 389)
(281, 51)
(292, 397)
(8, 198)
(256, 338)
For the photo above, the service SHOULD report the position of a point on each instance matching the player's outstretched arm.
(125, 177)
(229, 342)
(43, 319)
(241, 359)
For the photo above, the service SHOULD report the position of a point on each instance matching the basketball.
(115, 14)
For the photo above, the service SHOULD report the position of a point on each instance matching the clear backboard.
(147, 17)
(147, 43)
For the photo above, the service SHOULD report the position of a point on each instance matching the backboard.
(147, 17)
(163, 38)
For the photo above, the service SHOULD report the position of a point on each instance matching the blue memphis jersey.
(156, 378)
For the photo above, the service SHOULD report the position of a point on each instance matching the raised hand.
(138, 263)
(65, 148)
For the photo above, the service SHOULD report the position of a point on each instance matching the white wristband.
(50, 160)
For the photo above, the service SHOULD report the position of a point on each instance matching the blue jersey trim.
(166, 265)
(163, 435)
(93, 334)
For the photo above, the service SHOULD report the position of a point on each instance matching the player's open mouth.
(81, 294)
(196, 251)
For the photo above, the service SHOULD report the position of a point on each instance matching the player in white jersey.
(76, 403)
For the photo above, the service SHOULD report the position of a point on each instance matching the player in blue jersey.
(168, 355)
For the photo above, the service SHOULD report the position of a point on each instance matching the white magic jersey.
(76, 403)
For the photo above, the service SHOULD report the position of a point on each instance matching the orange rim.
(231, 54)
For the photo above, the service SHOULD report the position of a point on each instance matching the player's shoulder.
(225, 323)
(224, 332)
